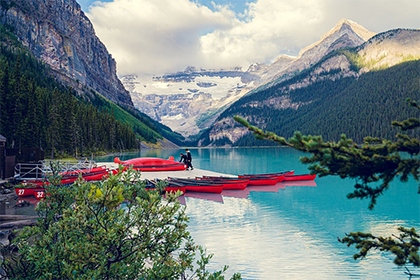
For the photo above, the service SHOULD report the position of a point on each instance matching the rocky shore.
(7, 192)
(10, 217)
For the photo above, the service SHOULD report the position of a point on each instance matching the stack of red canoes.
(216, 184)
(283, 176)
(37, 187)
(203, 185)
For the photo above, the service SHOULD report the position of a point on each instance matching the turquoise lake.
(290, 231)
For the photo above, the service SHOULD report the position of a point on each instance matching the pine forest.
(36, 111)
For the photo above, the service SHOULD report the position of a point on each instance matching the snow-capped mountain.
(191, 100)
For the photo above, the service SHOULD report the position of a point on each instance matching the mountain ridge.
(401, 45)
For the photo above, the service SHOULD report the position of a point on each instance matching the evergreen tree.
(4, 92)
(53, 131)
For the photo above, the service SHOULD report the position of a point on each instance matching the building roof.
(2, 138)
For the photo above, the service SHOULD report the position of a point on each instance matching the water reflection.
(21, 206)
(217, 197)
(281, 242)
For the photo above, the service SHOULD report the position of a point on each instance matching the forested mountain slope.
(357, 108)
(351, 91)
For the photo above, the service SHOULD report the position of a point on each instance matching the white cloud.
(155, 36)
(159, 36)
(270, 28)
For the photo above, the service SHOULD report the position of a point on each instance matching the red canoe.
(229, 183)
(281, 173)
(152, 164)
(197, 186)
(303, 177)
(263, 181)
(174, 189)
(204, 188)
(22, 192)
(36, 187)
(40, 194)
(171, 186)
(255, 180)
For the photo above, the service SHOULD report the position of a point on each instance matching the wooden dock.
(165, 174)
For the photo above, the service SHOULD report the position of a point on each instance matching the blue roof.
(2, 138)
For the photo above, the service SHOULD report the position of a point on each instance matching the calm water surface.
(290, 231)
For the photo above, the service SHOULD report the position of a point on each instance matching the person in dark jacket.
(183, 158)
(189, 160)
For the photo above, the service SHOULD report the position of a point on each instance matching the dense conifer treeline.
(356, 107)
(36, 111)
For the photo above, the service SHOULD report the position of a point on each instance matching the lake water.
(290, 231)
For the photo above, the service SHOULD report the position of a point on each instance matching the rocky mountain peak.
(356, 35)
(344, 24)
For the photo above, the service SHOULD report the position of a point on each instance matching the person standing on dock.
(189, 160)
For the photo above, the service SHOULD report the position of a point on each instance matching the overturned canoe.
(264, 181)
(303, 177)
(276, 174)
(152, 164)
(255, 180)
(197, 185)
(229, 183)
(171, 187)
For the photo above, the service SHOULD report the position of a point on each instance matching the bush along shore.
(108, 229)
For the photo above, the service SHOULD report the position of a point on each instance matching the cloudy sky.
(163, 36)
